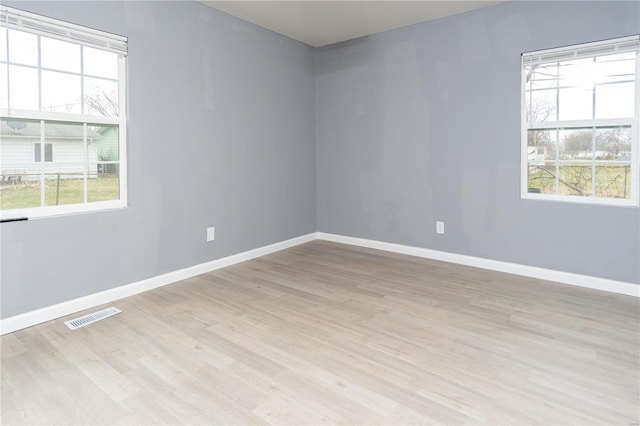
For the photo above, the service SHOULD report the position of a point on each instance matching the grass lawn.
(612, 181)
(70, 191)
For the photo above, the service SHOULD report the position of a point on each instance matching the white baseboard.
(49, 313)
(604, 284)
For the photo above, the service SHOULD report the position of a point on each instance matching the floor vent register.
(91, 318)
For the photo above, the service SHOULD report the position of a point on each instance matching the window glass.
(60, 55)
(23, 87)
(3, 45)
(100, 63)
(579, 120)
(615, 100)
(61, 92)
(23, 48)
(48, 152)
(101, 97)
(62, 149)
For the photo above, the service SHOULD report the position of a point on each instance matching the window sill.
(56, 211)
(611, 202)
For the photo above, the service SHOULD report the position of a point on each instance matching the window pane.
(3, 44)
(613, 176)
(613, 179)
(576, 103)
(542, 178)
(20, 181)
(48, 152)
(541, 106)
(23, 48)
(60, 92)
(613, 143)
(541, 152)
(615, 100)
(104, 182)
(60, 55)
(576, 144)
(62, 188)
(4, 100)
(579, 72)
(20, 191)
(543, 76)
(23, 87)
(575, 179)
(101, 97)
(37, 152)
(541, 145)
(107, 144)
(68, 139)
(100, 63)
(575, 175)
(616, 68)
(64, 179)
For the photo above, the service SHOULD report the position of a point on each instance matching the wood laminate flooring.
(325, 333)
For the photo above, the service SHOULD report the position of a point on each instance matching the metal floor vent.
(91, 318)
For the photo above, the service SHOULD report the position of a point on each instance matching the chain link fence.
(25, 190)
(610, 181)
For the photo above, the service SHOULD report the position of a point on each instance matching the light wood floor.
(332, 334)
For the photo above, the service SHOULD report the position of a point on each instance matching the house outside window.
(580, 108)
(63, 118)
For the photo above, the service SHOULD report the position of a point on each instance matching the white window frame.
(53, 28)
(585, 50)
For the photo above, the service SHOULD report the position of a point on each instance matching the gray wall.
(227, 126)
(423, 124)
(221, 133)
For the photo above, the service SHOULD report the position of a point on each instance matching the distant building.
(64, 152)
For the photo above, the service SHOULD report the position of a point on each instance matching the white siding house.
(22, 157)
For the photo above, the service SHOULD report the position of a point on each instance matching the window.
(62, 87)
(580, 123)
(48, 152)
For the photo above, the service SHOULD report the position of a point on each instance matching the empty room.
(319, 212)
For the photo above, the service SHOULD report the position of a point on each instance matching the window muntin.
(64, 98)
(580, 123)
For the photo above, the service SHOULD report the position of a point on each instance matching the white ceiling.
(319, 23)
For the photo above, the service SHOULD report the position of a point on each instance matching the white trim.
(28, 319)
(612, 286)
(583, 50)
(24, 114)
(578, 199)
(635, 137)
(122, 129)
(524, 144)
(579, 124)
(61, 30)
(65, 209)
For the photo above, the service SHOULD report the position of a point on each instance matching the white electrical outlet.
(211, 233)
(440, 227)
